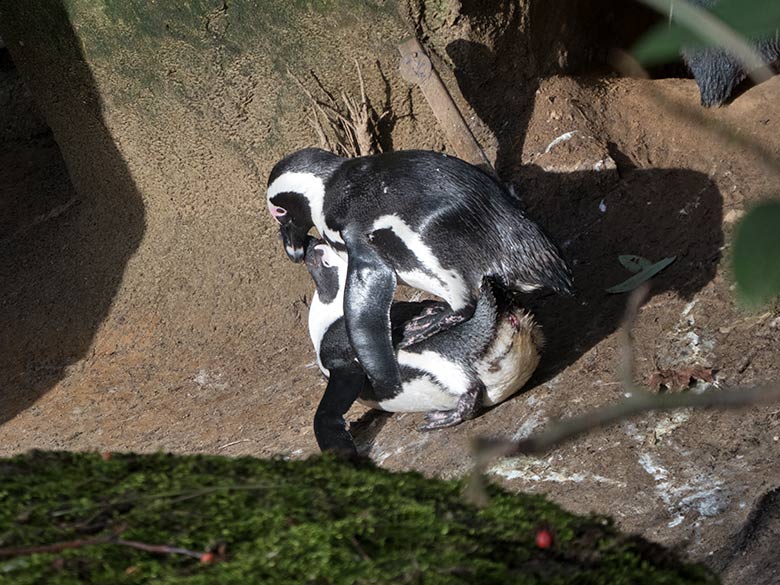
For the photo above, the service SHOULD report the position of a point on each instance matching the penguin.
(716, 71)
(451, 376)
(426, 219)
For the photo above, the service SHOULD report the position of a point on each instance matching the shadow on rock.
(752, 555)
(367, 427)
(63, 250)
(498, 92)
(596, 216)
(499, 80)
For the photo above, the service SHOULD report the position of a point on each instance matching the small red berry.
(544, 539)
(206, 558)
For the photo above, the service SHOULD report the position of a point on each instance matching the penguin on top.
(451, 376)
(431, 221)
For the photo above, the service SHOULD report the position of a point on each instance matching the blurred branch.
(61, 546)
(626, 372)
(715, 32)
(639, 401)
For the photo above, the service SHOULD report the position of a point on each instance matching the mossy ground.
(314, 521)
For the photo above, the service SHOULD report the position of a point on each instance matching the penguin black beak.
(295, 254)
(294, 240)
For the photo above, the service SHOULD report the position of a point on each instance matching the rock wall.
(169, 116)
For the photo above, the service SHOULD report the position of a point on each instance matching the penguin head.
(327, 269)
(293, 214)
(296, 191)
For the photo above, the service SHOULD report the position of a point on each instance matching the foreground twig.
(626, 372)
(60, 546)
(18, 551)
(638, 401)
(159, 548)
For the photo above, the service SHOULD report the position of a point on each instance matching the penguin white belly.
(321, 317)
(421, 394)
(440, 385)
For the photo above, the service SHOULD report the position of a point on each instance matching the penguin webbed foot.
(469, 406)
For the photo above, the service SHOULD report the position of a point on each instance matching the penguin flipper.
(367, 300)
(330, 428)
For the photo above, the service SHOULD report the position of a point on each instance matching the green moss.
(314, 521)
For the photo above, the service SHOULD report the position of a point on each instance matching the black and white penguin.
(451, 375)
(427, 219)
(717, 71)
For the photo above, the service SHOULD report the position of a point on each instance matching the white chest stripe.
(449, 374)
(321, 317)
(424, 281)
(452, 285)
(332, 235)
(421, 394)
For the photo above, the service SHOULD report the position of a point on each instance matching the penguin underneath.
(432, 221)
(451, 375)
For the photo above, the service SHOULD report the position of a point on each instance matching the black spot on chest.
(335, 348)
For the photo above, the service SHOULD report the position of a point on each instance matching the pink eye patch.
(277, 212)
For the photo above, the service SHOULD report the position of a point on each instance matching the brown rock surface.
(149, 306)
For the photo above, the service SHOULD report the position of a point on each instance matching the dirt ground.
(201, 348)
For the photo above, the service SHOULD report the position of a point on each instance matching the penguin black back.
(476, 224)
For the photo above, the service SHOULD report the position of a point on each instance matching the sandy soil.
(196, 343)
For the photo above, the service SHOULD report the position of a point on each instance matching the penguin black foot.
(469, 406)
(330, 428)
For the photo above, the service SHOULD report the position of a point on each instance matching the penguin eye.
(325, 262)
(277, 212)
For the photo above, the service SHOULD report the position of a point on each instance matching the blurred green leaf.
(752, 19)
(640, 277)
(634, 263)
(757, 254)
